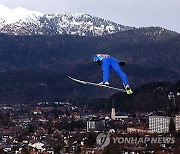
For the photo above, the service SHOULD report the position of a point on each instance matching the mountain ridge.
(20, 21)
(60, 50)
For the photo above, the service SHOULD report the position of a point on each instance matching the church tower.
(113, 113)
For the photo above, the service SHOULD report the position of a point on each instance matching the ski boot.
(128, 89)
(105, 83)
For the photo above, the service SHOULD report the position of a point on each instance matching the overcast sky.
(136, 13)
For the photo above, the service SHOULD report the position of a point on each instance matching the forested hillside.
(35, 68)
(148, 97)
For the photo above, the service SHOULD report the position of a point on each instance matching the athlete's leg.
(106, 70)
(115, 66)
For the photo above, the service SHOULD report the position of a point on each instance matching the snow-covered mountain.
(20, 21)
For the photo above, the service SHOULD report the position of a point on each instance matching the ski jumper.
(109, 63)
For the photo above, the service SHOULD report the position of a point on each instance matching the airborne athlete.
(108, 63)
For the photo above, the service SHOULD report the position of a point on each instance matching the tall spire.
(113, 113)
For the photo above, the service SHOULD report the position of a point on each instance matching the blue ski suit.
(108, 63)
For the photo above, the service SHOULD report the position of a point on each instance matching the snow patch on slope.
(20, 21)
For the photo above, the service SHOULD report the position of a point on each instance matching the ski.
(95, 84)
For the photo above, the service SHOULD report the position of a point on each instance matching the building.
(139, 130)
(118, 116)
(96, 124)
(37, 111)
(159, 124)
(38, 147)
(177, 122)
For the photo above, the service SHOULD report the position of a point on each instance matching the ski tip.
(69, 77)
